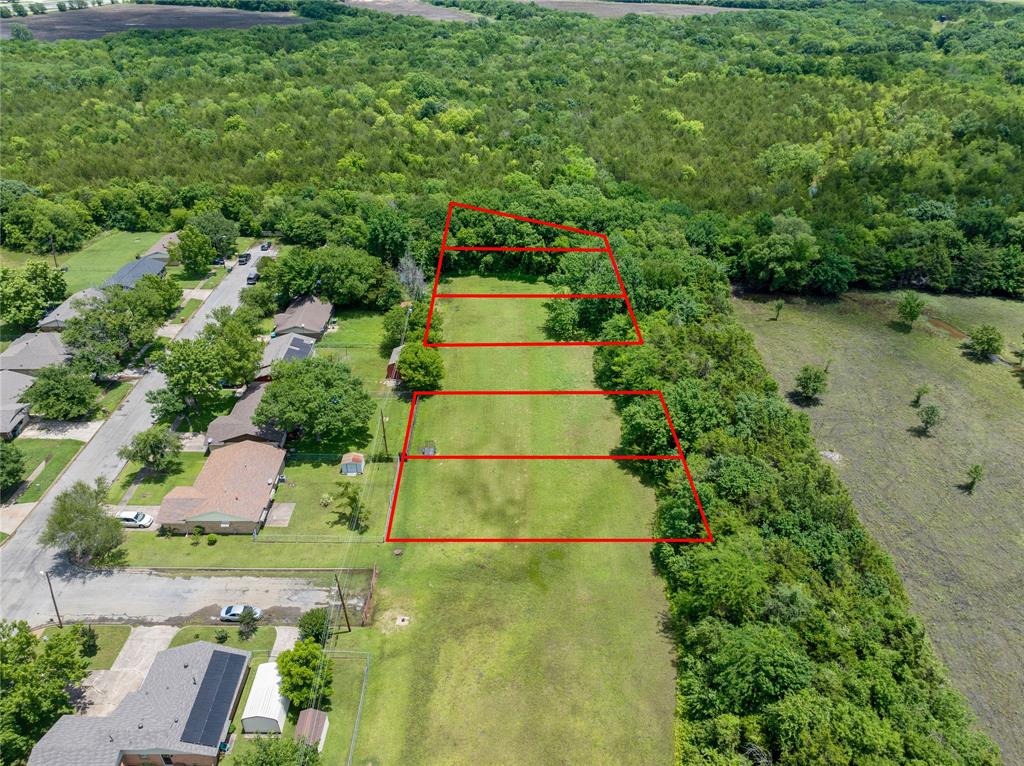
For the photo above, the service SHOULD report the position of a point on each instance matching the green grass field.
(95, 262)
(113, 395)
(262, 641)
(961, 555)
(154, 487)
(528, 653)
(187, 310)
(56, 453)
(109, 640)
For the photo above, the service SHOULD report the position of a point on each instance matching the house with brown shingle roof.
(232, 493)
(307, 315)
(237, 426)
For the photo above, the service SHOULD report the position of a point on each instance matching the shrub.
(220, 636)
(313, 625)
(985, 341)
(211, 539)
(90, 641)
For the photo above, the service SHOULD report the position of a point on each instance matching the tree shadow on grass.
(898, 325)
(920, 432)
(966, 487)
(798, 399)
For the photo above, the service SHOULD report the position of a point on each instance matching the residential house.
(288, 347)
(13, 412)
(33, 351)
(306, 315)
(179, 715)
(57, 319)
(232, 494)
(153, 264)
(237, 426)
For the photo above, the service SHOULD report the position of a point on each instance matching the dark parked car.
(218, 260)
(243, 258)
(265, 246)
(253, 278)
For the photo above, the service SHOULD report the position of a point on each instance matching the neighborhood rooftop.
(307, 315)
(183, 708)
(238, 424)
(232, 492)
(33, 351)
(148, 265)
(69, 309)
(288, 347)
(12, 411)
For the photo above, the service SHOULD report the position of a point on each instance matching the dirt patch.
(947, 328)
(92, 23)
(612, 10)
(832, 457)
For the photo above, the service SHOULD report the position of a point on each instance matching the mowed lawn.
(109, 641)
(519, 653)
(961, 555)
(154, 486)
(52, 454)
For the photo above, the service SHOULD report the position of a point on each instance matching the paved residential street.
(125, 595)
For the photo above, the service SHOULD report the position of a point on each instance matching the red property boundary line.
(434, 295)
(405, 457)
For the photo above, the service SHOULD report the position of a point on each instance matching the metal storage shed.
(266, 707)
(311, 728)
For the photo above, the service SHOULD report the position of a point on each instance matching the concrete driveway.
(104, 689)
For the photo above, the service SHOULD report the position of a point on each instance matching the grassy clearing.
(200, 419)
(154, 487)
(187, 310)
(959, 554)
(113, 395)
(56, 453)
(219, 272)
(95, 262)
(186, 280)
(109, 640)
(262, 641)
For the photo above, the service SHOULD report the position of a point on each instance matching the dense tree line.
(849, 144)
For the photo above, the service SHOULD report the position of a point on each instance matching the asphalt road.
(127, 595)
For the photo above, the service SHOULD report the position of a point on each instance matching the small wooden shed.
(352, 463)
(311, 728)
(393, 373)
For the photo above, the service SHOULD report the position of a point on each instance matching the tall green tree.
(233, 338)
(421, 368)
(62, 393)
(12, 466)
(305, 673)
(80, 526)
(26, 294)
(218, 230)
(157, 448)
(278, 751)
(319, 397)
(194, 250)
(36, 681)
(192, 370)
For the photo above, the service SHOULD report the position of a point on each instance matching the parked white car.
(233, 612)
(134, 519)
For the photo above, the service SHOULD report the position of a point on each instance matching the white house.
(266, 707)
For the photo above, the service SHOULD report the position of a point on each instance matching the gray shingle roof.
(151, 719)
(33, 351)
(239, 422)
(152, 264)
(12, 411)
(69, 309)
(307, 314)
(288, 347)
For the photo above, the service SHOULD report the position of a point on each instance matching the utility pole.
(53, 252)
(46, 574)
(384, 430)
(344, 608)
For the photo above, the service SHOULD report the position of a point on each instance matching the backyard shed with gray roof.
(180, 714)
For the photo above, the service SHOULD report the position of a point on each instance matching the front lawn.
(199, 420)
(109, 640)
(56, 453)
(185, 312)
(113, 395)
(186, 279)
(262, 640)
(149, 550)
(154, 486)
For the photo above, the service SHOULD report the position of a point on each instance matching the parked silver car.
(233, 612)
(134, 519)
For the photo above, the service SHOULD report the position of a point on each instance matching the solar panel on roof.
(213, 702)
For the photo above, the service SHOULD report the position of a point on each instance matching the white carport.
(266, 707)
